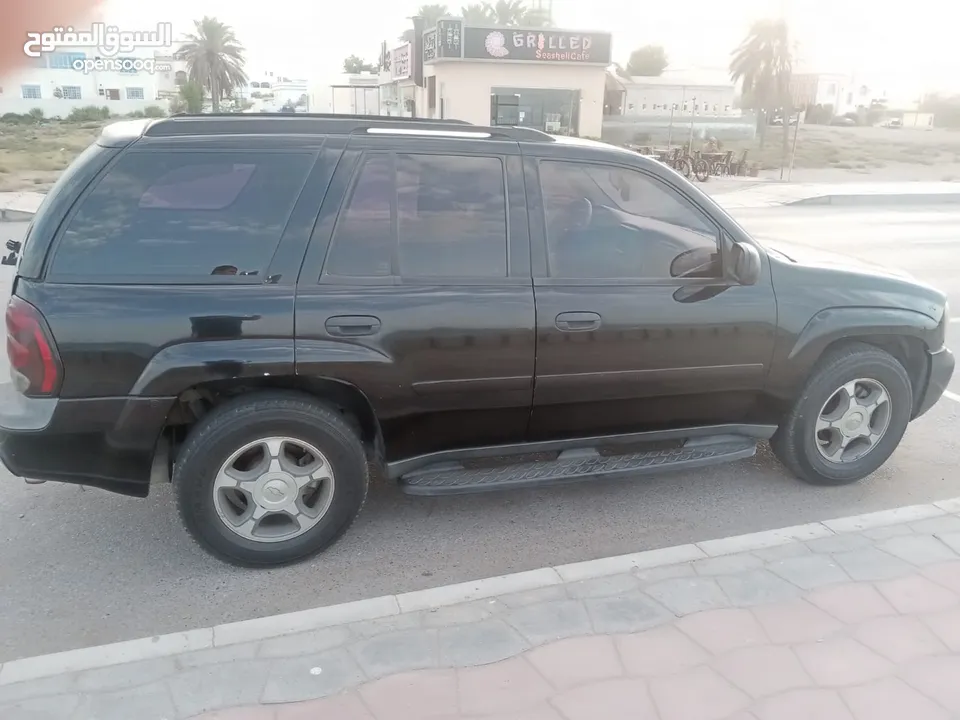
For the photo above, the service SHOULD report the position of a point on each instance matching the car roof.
(123, 133)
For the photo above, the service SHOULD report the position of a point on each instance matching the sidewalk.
(19, 206)
(857, 618)
(867, 194)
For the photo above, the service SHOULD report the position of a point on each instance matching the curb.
(16, 215)
(868, 199)
(43, 666)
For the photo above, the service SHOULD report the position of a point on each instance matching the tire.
(796, 442)
(701, 170)
(246, 421)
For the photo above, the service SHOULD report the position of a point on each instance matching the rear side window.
(178, 215)
(443, 216)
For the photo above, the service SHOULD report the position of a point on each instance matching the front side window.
(183, 215)
(431, 215)
(610, 222)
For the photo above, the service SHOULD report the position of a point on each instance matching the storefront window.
(554, 111)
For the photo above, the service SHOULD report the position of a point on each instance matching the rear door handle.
(352, 325)
(578, 321)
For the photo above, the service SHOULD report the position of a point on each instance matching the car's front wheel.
(849, 418)
(270, 479)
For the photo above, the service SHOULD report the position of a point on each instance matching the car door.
(416, 290)
(640, 325)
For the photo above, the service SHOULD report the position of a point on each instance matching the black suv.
(266, 311)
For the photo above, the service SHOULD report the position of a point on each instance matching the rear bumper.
(942, 365)
(107, 443)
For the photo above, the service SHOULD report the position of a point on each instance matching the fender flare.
(833, 324)
(178, 367)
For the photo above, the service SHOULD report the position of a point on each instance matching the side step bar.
(456, 478)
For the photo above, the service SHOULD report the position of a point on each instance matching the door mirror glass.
(698, 262)
(746, 263)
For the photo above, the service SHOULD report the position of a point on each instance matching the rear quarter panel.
(156, 340)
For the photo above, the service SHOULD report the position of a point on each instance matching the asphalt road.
(81, 567)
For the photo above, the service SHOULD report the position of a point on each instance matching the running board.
(456, 478)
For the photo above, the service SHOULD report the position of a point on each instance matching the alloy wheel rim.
(273, 489)
(853, 420)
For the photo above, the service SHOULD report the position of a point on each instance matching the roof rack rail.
(498, 132)
(181, 116)
(321, 124)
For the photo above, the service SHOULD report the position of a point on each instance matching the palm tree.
(430, 15)
(478, 14)
(508, 13)
(763, 62)
(214, 58)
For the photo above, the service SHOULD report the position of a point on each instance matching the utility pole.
(789, 95)
(673, 107)
(793, 151)
(692, 117)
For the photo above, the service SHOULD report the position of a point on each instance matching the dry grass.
(859, 149)
(32, 156)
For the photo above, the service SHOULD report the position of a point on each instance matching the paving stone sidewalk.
(856, 619)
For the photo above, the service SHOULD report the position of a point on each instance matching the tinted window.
(184, 215)
(364, 238)
(606, 222)
(451, 218)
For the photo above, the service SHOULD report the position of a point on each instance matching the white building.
(699, 92)
(844, 93)
(69, 78)
(398, 91)
(170, 79)
(550, 79)
(347, 94)
(270, 91)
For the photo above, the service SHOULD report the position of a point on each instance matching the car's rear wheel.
(848, 419)
(270, 479)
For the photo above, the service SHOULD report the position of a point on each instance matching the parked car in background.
(844, 121)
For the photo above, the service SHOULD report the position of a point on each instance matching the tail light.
(34, 360)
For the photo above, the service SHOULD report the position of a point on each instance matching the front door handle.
(578, 321)
(352, 325)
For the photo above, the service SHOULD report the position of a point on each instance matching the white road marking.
(953, 320)
(951, 396)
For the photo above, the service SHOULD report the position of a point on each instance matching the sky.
(906, 47)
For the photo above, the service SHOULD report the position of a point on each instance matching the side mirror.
(746, 263)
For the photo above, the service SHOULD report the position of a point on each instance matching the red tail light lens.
(34, 361)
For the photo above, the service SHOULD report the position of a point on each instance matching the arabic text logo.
(107, 40)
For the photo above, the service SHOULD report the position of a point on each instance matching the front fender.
(797, 355)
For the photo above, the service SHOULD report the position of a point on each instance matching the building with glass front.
(552, 80)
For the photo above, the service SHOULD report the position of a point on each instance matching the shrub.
(154, 111)
(16, 119)
(88, 113)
